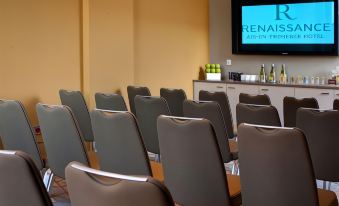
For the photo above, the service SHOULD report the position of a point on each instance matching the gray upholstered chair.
(193, 166)
(222, 99)
(132, 92)
(76, 102)
(262, 99)
(110, 101)
(175, 99)
(212, 112)
(276, 168)
(62, 137)
(88, 187)
(292, 104)
(148, 110)
(257, 114)
(336, 104)
(16, 131)
(321, 130)
(120, 147)
(21, 183)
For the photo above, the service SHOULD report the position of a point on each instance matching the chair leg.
(157, 157)
(329, 186)
(48, 179)
(235, 168)
(324, 185)
(94, 148)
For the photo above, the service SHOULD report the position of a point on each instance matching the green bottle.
(283, 75)
(271, 77)
(262, 74)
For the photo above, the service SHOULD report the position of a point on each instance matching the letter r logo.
(283, 10)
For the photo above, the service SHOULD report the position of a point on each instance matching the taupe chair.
(120, 147)
(75, 100)
(261, 99)
(212, 112)
(110, 101)
(132, 92)
(321, 130)
(16, 131)
(291, 105)
(62, 137)
(88, 187)
(174, 98)
(278, 169)
(257, 114)
(336, 104)
(222, 99)
(148, 110)
(193, 167)
(21, 183)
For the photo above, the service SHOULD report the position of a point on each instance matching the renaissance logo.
(302, 23)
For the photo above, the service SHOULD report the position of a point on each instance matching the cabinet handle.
(220, 87)
(265, 90)
(231, 87)
(325, 93)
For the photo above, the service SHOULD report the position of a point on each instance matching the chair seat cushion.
(233, 148)
(327, 198)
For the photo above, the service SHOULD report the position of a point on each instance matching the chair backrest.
(16, 131)
(110, 101)
(212, 112)
(132, 92)
(148, 110)
(292, 104)
(75, 100)
(89, 187)
(261, 99)
(336, 104)
(119, 144)
(278, 169)
(258, 114)
(21, 182)
(321, 130)
(174, 98)
(222, 99)
(62, 137)
(193, 167)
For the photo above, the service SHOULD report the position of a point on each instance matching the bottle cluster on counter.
(283, 78)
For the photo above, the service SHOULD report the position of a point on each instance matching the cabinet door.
(233, 91)
(277, 95)
(207, 86)
(336, 94)
(325, 97)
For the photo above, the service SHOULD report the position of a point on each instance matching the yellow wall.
(111, 46)
(39, 50)
(171, 43)
(46, 45)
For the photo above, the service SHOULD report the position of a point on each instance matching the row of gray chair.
(290, 105)
(111, 101)
(174, 98)
(191, 180)
(63, 140)
(58, 114)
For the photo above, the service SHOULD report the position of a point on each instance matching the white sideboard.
(324, 94)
